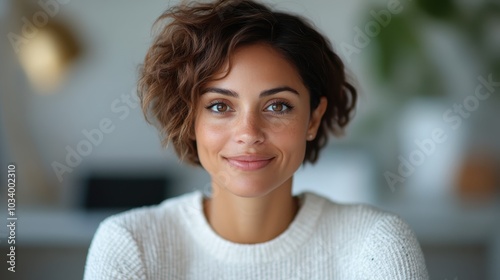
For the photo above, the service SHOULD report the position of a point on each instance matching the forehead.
(258, 65)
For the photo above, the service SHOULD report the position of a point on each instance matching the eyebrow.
(264, 93)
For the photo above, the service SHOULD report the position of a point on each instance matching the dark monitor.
(123, 191)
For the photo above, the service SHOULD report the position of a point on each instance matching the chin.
(250, 193)
(249, 188)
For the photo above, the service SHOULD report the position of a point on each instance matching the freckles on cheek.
(289, 138)
(290, 127)
(209, 134)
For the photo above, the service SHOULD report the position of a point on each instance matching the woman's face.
(252, 126)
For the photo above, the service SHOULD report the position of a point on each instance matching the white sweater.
(326, 240)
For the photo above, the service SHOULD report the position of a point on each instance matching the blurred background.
(425, 142)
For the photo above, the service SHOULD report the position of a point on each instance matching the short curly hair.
(195, 40)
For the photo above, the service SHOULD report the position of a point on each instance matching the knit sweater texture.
(326, 240)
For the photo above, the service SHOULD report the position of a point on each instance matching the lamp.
(45, 47)
(47, 56)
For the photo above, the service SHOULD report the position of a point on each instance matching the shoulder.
(354, 222)
(124, 244)
(150, 218)
(390, 249)
(382, 244)
(363, 217)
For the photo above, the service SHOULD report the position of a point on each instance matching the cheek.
(209, 133)
(289, 134)
(293, 125)
(209, 137)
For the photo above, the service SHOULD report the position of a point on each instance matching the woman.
(249, 94)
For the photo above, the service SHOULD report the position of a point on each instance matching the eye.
(279, 107)
(219, 107)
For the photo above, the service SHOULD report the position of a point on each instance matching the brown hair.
(195, 40)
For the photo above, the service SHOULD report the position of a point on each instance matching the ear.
(315, 120)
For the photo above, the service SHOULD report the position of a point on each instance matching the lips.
(249, 162)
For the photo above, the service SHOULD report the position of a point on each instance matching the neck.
(251, 220)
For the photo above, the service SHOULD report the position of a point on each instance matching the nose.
(249, 129)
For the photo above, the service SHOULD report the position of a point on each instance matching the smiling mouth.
(249, 163)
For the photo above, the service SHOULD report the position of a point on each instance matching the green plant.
(404, 63)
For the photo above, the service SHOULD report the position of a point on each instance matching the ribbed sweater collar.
(297, 233)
